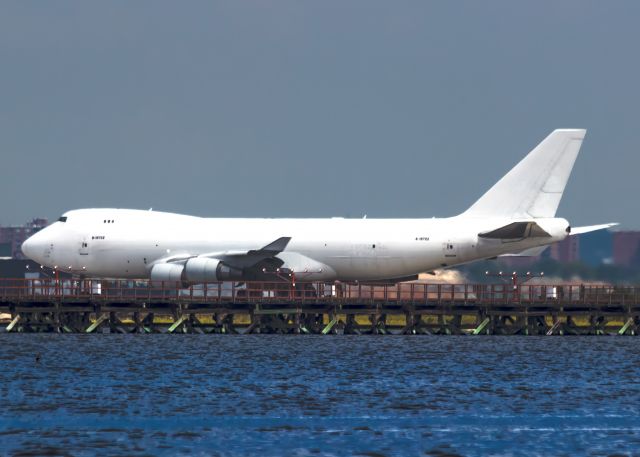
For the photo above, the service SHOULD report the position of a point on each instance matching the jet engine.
(202, 269)
(167, 272)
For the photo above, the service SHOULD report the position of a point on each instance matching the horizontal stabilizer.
(591, 228)
(516, 231)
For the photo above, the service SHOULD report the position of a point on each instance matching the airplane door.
(84, 246)
(450, 250)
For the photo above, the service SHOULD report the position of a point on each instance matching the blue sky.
(312, 109)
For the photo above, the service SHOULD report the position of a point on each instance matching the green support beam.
(98, 321)
(330, 325)
(177, 323)
(481, 327)
(626, 326)
(13, 323)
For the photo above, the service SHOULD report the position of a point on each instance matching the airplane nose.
(27, 247)
(31, 247)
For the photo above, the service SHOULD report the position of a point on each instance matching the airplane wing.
(239, 258)
(249, 258)
(516, 231)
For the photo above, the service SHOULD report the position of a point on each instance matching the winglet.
(276, 246)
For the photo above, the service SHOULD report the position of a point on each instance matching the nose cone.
(33, 247)
(27, 247)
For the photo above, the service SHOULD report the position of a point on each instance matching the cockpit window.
(62, 219)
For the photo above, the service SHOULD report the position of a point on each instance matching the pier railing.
(89, 306)
(414, 293)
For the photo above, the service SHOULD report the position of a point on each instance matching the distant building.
(518, 262)
(626, 252)
(567, 250)
(593, 248)
(25, 269)
(12, 237)
(12, 268)
(596, 248)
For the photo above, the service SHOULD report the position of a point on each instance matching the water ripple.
(314, 395)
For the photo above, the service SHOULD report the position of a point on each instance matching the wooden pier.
(91, 306)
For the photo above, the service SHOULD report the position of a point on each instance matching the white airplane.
(516, 216)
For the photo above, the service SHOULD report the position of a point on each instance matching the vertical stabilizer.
(534, 187)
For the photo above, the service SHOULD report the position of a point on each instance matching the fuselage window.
(62, 219)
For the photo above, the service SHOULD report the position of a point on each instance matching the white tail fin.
(534, 187)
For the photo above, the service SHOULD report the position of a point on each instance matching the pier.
(91, 306)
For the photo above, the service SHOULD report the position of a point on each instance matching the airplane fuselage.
(119, 243)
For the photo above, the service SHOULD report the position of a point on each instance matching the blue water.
(319, 395)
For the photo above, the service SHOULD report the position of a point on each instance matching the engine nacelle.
(202, 269)
(166, 272)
